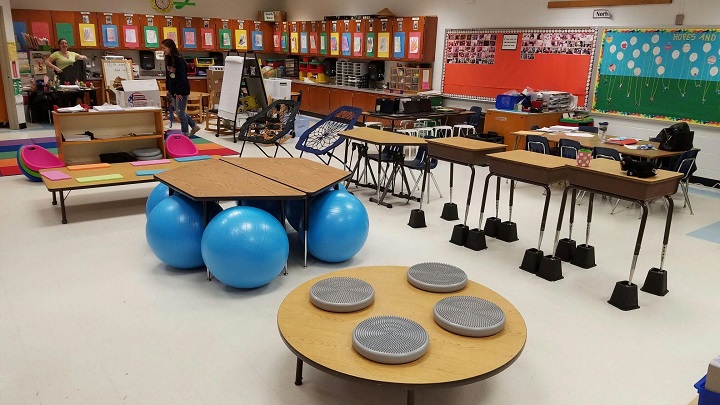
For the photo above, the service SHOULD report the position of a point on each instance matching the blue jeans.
(185, 120)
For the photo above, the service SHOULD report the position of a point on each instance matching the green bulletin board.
(65, 30)
(668, 74)
(151, 37)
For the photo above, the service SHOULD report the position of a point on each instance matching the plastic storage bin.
(706, 397)
(302, 124)
(506, 102)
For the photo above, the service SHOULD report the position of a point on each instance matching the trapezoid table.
(324, 339)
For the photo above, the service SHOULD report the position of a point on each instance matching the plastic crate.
(506, 102)
(706, 397)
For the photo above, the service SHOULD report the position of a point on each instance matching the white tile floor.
(89, 316)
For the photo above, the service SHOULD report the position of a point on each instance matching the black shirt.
(176, 79)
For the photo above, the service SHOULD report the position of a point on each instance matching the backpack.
(676, 138)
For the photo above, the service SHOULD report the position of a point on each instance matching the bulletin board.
(111, 69)
(667, 74)
(479, 64)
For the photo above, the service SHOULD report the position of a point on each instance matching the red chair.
(180, 146)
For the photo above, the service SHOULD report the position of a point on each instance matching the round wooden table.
(324, 339)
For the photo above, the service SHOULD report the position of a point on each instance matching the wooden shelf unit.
(410, 79)
(112, 132)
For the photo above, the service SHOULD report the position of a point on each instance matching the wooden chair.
(194, 108)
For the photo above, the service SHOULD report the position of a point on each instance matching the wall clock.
(162, 6)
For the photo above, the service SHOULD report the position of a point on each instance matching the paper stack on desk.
(77, 108)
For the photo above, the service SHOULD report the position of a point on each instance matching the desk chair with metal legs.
(418, 164)
(538, 144)
(686, 166)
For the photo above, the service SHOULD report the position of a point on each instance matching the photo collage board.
(474, 48)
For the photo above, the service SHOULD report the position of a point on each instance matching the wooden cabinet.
(110, 28)
(130, 22)
(318, 99)
(171, 28)
(379, 35)
(294, 32)
(505, 122)
(305, 100)
(20, 26)
(207, 34)
(409, 79)
(339, 98)
(324, 38)
(281, 37)
(414, 38)
(120, 131)
(88, 29)
(188, 34)
(150, 31)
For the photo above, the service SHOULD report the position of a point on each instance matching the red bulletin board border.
(561, 62)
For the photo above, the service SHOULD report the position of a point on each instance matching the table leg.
(625, 294)
(560, 216)
(497, 198)
(589, 219)
(388, 182)
(656, 280)
(482, 205)
(450, 212)
(54, 201)
(469, 196)
(298, 371)
(307, 225)
(282, 221)
(638, 242)
(544, 215)
(207, 220)
(62, 208)
(411, 397)
(510, 201)
(452, 166)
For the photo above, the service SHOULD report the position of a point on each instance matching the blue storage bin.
(302, 124)
(706, 397)
(505, 102)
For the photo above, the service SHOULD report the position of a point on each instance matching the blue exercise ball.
(339, 226)
(174, 230)
(159, 193)
(294, 208)
(270, 206)
(245, 247)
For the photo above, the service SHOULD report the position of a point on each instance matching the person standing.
(59, 60)
(177, 84)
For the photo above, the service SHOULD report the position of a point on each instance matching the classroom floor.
(89, 316)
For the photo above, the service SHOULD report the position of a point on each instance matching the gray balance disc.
(342, 294)
(469, 316)
(390, 339)
(437, 277)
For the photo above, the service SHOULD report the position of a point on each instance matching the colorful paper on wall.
(110, 36)
(151, 37)
(345, 45)
(87, 35)
(64, 30)
(170, 33)
(19, 28)
(130, 33)
(357, 49)
(257, 41)
(303, 42)
(323, 43)
(225, 39)
(313, 42)
(414, 45)
(334, 43)
(399, 45)
(189, 39)
(42, 29)
(294, 40)
(207, 39)
(276, 42)
(370, 44)
(284, 42)
(241, 40)
(383, 45)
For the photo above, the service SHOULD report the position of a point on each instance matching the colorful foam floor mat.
(9, 148)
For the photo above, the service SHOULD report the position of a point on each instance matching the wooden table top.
(591, 142)
(466, 144)
(125, 169)
(612, 168)
(219, 180)
(302, 174)
(429, 114)
(528, 158)
(380, 137)
(324, 339)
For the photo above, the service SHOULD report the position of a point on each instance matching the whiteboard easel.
(112, 69)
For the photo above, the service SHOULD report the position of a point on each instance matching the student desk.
(381, 139)
(604, 176)
(463, 151)
(126, 170)
(324, 339)
(441, 115)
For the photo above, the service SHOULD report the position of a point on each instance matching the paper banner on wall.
(284, 42)
(130, 33)
(257, 41)
(225, 39)
(357, 49)
(64, 30)
(370, 44)
(399, 45)
(345, 44)
(170, 33)
(19, 28)
(414, 45)
(241, 40)
(383, 45)
(323, 43)
(42, 29)
(87, 35)
(303, 42)
(335, 43)
(313, 42)
(189, 38)
(110, 35)
(294, 39)
(207, 39)
(151, 37)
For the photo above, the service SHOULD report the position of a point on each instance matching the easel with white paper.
(112, 69)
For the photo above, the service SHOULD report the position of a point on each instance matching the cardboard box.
(139, 93)
(272, 16)
(214, 83)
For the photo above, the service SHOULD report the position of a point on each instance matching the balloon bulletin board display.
(668, 74)
(480, 64)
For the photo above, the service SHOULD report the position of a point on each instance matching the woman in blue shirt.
(177, 84)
